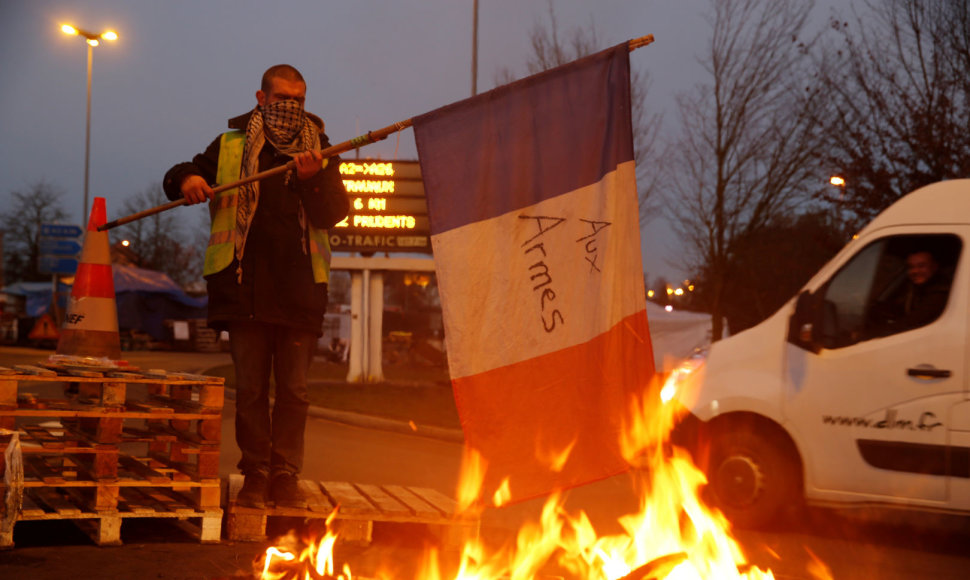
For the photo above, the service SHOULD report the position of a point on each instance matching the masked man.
(267, 267)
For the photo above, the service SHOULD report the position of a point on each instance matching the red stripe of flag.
(581, 393)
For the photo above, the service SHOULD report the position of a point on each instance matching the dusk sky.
(180, 68)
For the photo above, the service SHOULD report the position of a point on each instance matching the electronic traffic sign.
(388, 211)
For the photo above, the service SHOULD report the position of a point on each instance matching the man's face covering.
(282, 120)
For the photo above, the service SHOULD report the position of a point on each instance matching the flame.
(272, 555)
(554, 459)
(281, 561)
(673, 535)
(503, 494)
(817, 568)
(472, 477)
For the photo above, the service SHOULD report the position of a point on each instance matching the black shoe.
(253, 492)
(285, 491)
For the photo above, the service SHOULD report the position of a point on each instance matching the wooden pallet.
(120, 443)
(104, 526)
(359, 508)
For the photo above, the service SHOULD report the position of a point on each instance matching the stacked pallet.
(98, 445)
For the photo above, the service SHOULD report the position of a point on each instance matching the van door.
(874, 402)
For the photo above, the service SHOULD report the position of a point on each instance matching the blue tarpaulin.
(37, 296)
(145, 299)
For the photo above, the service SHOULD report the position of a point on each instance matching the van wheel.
(751, 477)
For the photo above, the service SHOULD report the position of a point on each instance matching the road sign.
(351, 242)
(44, 329)
(56, 264)
(59, 247)
(60, 230)
(409, 205)
(388, 211)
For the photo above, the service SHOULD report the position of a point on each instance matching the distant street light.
(92, 40)
(839, 181)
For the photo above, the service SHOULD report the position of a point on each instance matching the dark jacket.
(911, 306)
(277, 281)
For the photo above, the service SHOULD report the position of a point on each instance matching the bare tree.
(899, 75)
(39, 204)
(749, 142)
(775, 261)
(957, 40)
(552, 48)
(160, 241)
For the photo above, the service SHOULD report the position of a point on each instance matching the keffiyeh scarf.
(287, 129)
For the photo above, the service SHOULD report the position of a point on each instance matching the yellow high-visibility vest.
(222, 211)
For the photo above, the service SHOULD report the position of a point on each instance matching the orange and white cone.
(91, 324)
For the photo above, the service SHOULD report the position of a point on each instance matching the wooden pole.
(366, 139)
(640, 42)
(355, 143)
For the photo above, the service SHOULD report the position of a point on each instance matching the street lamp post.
(92, 40)
(474, 47)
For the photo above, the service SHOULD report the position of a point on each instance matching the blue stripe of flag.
(525, 142)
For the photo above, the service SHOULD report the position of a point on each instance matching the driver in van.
(919, 300)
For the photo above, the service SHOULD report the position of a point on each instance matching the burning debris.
(295, 558)
(672, 536)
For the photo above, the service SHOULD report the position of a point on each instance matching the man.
(267, 267)
(920, 300)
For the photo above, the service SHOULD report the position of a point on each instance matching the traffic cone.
(91, 324)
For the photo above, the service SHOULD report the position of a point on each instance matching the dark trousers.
(271, 440)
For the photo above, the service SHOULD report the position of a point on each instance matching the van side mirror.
(803, 329)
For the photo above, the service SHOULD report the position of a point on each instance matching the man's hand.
(308, 163)
(195, 190)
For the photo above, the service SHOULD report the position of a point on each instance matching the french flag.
(532, 201)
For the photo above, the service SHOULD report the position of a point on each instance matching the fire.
(817, 568)
(503, 494)
(471, 478)
(672, 536)
(555, 459)
(313, 561)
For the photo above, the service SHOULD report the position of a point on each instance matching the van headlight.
(680, 375)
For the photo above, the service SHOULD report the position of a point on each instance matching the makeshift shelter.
(145, 299)
(35, 297)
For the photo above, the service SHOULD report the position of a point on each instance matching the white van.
(855, 393)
